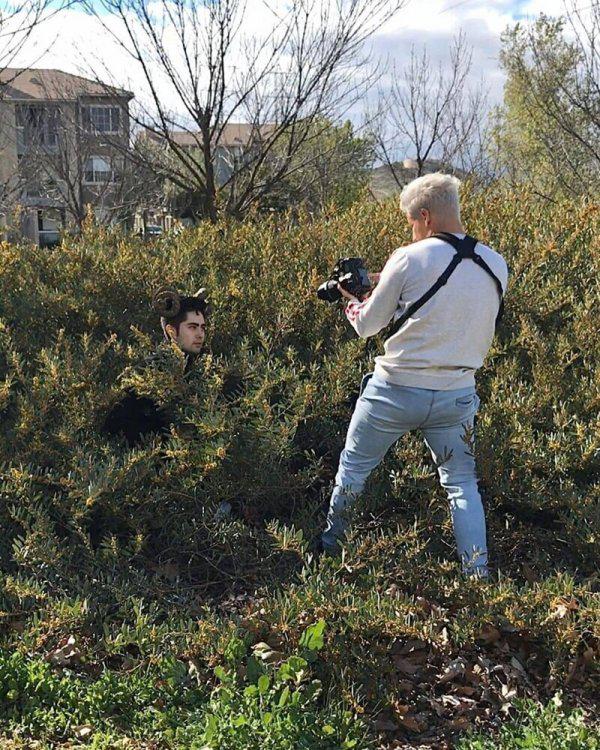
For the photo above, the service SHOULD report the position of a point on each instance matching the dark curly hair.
(187, 305)
(173, 308)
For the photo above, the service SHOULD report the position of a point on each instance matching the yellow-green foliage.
(94, 532)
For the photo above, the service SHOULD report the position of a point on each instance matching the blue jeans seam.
(420, 426)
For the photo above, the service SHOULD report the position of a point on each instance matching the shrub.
(121, 547)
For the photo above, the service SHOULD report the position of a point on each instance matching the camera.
(351, 275)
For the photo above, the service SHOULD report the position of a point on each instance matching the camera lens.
(328, 291)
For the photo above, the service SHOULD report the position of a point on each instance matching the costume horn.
(166, 302)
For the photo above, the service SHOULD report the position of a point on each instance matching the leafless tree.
(65, 163)
(430, 113)
(70, 174)
(306, 68)
(18, 21)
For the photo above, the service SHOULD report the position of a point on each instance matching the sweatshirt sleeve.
(374, 313)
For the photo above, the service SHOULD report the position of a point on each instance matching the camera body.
(351, 274)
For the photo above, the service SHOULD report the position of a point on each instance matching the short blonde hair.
(436, 192)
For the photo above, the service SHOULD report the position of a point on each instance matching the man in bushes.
(441, 297)
(183, 321)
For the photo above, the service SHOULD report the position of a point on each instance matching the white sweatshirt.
(446, 341)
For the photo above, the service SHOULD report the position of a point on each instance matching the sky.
(71, 39)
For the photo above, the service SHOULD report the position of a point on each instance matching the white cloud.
(442, 16)
(532, 8)
(75, 42)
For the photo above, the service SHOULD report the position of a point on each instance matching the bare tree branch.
(305, 68)
(430, 113)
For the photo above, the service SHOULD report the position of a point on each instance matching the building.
(388, 180)
(235, 143)
(63, 140)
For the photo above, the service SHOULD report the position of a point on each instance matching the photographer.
(442, 295)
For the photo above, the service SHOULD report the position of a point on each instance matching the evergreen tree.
(544, 136)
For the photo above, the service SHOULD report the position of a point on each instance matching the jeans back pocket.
(467, 401)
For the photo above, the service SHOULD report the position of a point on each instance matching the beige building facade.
(64, 141)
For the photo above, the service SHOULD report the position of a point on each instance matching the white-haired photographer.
(441, 296)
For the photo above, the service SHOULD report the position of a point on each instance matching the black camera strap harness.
(465, 250)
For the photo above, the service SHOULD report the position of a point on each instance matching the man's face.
(420, 225)
(191, 334)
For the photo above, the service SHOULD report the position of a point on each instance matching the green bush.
(262, 700)
(121, 548)
(37, 699)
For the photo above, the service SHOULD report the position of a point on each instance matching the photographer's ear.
(426, 216)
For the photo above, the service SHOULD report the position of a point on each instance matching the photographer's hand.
(376, 309)
(347, 294)
(374, 278)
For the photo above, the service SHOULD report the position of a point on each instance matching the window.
(37, 126)
(98, 170)
(102, 119)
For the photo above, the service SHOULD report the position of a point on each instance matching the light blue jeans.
(384, 412)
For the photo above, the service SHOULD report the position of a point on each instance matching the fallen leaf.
(385, 725)
(194, 671)
(561, 611)
(406, 687)
(589, 656)
(574, 674)
(66, 654)
(464, 690)
(410, 646)
(459, 724)
(530, 574)
(84, 731)
(557, 700)
(453, 670)
(410, 722)
(450, 700)
(508, 692)
(518, 666)
(489, 634)
(562, 607)
(267, 654)
(401, 708)
(405, 665)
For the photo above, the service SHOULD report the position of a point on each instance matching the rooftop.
(43, 84)
(234, 134)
